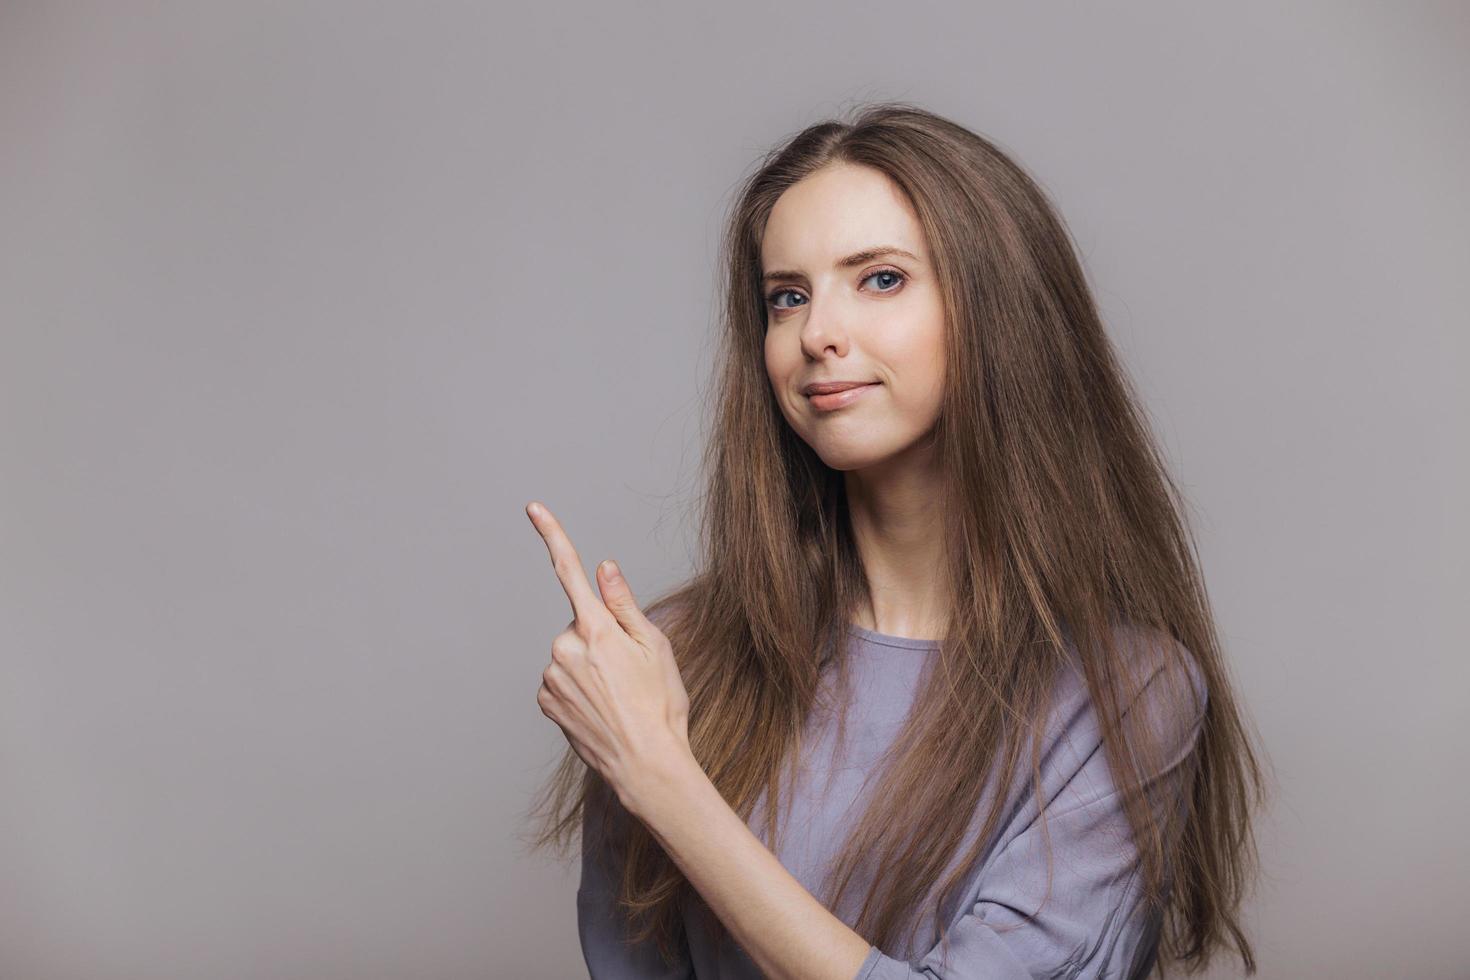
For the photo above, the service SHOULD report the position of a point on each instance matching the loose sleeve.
(601, 926)
(1092, 924)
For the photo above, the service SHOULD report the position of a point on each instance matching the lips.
(846, 393)
(831, 387)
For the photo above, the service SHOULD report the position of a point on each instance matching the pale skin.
(613, 686)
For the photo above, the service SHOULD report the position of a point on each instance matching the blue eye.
(893, 273)
(886, 272)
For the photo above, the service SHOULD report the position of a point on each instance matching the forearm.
(784, 929)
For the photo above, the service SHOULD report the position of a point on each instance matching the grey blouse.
(1091, 924)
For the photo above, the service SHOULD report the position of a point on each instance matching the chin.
(850, 457)
(863, 447)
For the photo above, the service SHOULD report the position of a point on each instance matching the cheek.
(919, 354)
(937, 365)
(921, 368)
(778, 360)
(934, 335)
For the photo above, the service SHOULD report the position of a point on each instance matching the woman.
(945, 698)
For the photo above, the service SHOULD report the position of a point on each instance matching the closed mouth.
(832, 387)
(831, 401)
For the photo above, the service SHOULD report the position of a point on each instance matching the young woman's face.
(835, 315)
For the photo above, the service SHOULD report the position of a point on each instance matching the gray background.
(303, 303)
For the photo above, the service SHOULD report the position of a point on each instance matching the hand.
(613, 685)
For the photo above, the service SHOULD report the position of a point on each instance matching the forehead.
(835, 212)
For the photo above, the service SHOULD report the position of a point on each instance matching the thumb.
(618, 596)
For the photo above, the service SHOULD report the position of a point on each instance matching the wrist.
(663, 777)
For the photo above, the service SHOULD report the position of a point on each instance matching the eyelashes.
(891, 273)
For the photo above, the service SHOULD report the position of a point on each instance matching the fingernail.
(612, 570)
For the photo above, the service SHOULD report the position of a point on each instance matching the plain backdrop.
(303, 302)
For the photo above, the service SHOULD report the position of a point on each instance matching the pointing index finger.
(586, 605)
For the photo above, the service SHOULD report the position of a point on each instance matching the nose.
(822, 330)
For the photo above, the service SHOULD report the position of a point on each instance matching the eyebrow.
(856, 258)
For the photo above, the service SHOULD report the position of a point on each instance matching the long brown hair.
(1062, 524)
